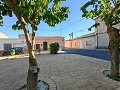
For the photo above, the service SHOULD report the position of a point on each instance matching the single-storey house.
(83, 42)
(41, 42)
(7, 43)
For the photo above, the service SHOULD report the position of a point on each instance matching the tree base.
(41, 86)
(107, 74)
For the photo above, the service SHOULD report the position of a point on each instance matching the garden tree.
(109, 12)
(31, 12)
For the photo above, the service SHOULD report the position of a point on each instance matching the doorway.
(7, 46)
(44, 45)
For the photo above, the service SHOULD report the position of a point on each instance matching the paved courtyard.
(61, 72)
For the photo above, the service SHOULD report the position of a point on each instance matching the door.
(44, 45)
(38, 46)
(7, 46)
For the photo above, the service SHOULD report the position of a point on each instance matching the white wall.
(103, 40)
(81, 43)
(92, 39)
(15, 42)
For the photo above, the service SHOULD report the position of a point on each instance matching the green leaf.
(1, 23)
(99, 2)
(14, 27)
(4, 13)
(10, 13)
(1, 17)
(89, 29)
(35, 28)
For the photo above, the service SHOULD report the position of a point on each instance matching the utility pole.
(71, 35)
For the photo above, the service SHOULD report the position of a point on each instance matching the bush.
(54, 47)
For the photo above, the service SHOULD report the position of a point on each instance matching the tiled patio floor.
(61, 72)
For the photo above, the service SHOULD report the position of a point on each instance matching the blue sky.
(74, 23)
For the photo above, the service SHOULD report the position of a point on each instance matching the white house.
(83, 42)
(102, 38)
(7, 43)
(97, 40)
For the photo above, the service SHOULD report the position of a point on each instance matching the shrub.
(54, 47)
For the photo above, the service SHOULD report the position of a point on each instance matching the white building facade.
(97, 40)
(83, 42)
(102, 38)
(7, 43)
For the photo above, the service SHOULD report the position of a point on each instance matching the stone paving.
(61, 72)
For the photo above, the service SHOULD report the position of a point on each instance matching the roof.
(44, 36)
(3, 35)
(49, 37)
(84, 36)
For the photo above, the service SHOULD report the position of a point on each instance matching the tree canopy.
(4, 11)
(107, 10)
(35, 11)
(32, 12)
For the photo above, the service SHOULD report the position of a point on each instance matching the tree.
(109, 12)
(31, 12)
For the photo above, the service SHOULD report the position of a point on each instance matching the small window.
(37, 46)
(88, 43)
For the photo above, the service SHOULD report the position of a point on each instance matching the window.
(37, 46)
(88, 43)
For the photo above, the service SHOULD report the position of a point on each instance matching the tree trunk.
(32, 78)
(33, 36)
(33, 68)
(114, 51)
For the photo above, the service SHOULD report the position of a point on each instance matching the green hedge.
(54, 47)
